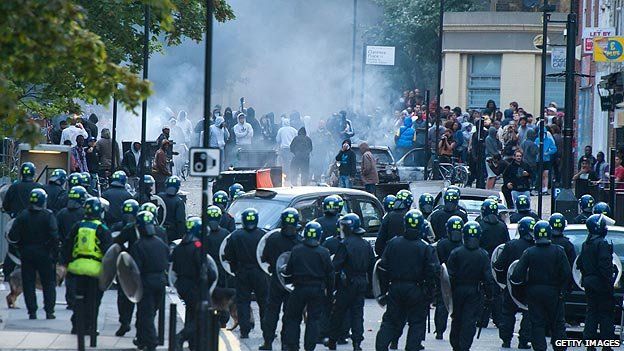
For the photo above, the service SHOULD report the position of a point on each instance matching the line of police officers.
(330, 290)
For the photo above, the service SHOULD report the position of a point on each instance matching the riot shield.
(225, 263)
(282, 262)
(445, 288)
(162, 209)
(212, 267)
(379, 284)
(578, 276)
(517, 290)
(260, 249)
(499, 277)
(109, 266)
(129, 277)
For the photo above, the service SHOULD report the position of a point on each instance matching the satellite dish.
(529, 4)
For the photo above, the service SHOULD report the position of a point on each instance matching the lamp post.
(353, 55)
(435, 163)
(143, 158)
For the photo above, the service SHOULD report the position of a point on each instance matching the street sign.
(590, 33)
(380, 55)
(558, 58)
(204, 162)
(609, 49)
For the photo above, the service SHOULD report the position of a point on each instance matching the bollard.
(214, 327)
(161, 322)
(94, 313)
(172, 326)
(202, 327)
(79, 324)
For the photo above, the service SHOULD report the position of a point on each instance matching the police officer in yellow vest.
(88, 241)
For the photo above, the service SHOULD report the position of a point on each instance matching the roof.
(584, 227)
(478, 192)
(291, 192)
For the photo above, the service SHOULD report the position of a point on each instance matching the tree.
(412, 27)
(55, 52)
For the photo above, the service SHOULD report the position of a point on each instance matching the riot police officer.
(176, 209)
(151, 255)
(87, 182)
(187, 262)
(332, 206)
(35, 232)
(66, 219)
(240, 251)
(161, 232)
(558, 223)
(312, 274)
(469, 271)
(144, 194)
(545, 271)
(425, 204)
(116, 195)
(602, 208)
(221, 200)
(127, 234)
(392, 224)
(88, 241)
(595, 264)
(57, 195)
(235, 188)
(445, 246)
(523, 208)
(411, 267)
(74, 179)
(353, 263)
(212, 241)
(440, 216)
(586, 204)
(388, 203)
(512, 251)
(276, 244)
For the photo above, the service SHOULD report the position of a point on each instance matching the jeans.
(344, 182)
(515, 194)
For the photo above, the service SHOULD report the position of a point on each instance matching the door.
(411, 167)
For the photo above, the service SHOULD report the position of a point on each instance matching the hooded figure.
(301, 147)
(187, 127)
(493, 146)
(90, 125)
(370, 177)
(404, 137)
(104, 147)
(347, 164)
(219, 133)
(253, 121)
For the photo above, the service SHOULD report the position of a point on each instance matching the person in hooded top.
(90, 125)
(301, 147)
(405, 137)
(284, 137)
(186, 126)
(107, 151)
(253, 121)
(369, 174)
(493, 146)
(131, 158)
(347, 164)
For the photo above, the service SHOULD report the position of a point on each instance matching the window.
(307, 209)
(484, 73)
(555, 86)
(371, 216)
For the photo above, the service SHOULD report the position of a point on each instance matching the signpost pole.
(363, 78)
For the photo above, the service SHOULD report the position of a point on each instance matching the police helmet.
(425, 203)
(172, 185)
(388, 202)
(76, 196)
(150, 207)
(414, 222)
(454, 227)
(27, 171)
(235, 188)
(312, 233)
(332, 204)
(472, 234)
(489, 207)
(148, 180)
(351, 224)
(525, 228)
(404, 200)
(289, 217)
(119, 179)
(214, 215)
(221, 199)
(85, 179)
(93, 208)
(145, 223)
(193, 227)
(557, 223)
(597, 225)
(238, 194)
(523, 203)
(74, 179)
(58, 176)
(129, 210)
(602, 208)
(451, 199)
(38, 198)
(456, 188)
(250, 219)
(586, 203)
(542, 232)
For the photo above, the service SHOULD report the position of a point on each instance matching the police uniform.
(517, 216)
(151, 255)
(392, 224)
(312, 273)
(512, 251)
(57, 196)
(276, 244)
(116, 195)
(88, 241)
(66, 219)
(586, 204)
(595, 263)
(353, 263)
(221, 200)
(545, 270)
(240, 251)
(329, 222)
(558, 223)
(35, 233)
(441, 215)
(176, 216)
(469, 270)
(411, 266)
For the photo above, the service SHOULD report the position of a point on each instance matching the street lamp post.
(143, 158)
(353, 55)
(435, 163)
(540, 165)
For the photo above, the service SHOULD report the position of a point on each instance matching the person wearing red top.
(619, 172)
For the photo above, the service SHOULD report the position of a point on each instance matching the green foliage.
(55, 52)
(412, 26)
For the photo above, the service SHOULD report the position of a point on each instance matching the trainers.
(439, 336)
(50, 316)
(266, 346)
(123, 329)
(506, 344)
(524, 345)
(342, 341)
(32, 316)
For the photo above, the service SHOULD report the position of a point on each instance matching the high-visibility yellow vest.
(86, 253)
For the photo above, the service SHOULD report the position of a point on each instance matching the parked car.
(386, 166)
(411, 166)
(472, 198)
(308, 200)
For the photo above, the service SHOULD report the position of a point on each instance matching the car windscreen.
(471, 205)
(382, 156)
(578, 237)
(268, 210)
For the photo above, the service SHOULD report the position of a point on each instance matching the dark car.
(575, 301)
(386, 166)
(472, 198)
(308, 200)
